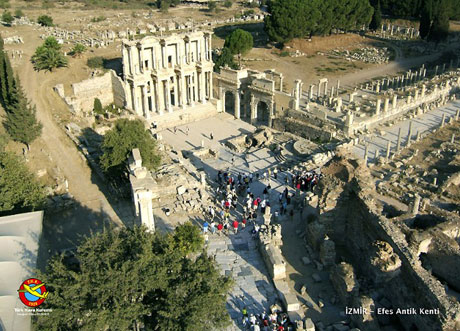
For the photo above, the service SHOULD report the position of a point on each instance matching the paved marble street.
(423, 124)
(239, 258)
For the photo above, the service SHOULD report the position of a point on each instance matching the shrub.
(45, 20)
(97, 108)
(95, 62)
(7, 17)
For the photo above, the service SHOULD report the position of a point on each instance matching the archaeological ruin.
(162, 75)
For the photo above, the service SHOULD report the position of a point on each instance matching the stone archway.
(229, 102)
(262, 113)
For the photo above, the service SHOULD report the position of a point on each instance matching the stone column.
(377, 109)
(163, 56)
(202, 87)
(168, 96)
(398, 144)
(144, 199)
(452, 139)
(385, 106)
(310, 94)
(457, 114)
(210, 85)
(366, 151)
(237, 104)
(423, 90)
(388, 149)
(281, 82)
(409, 134)
(138, 101)
(161, 96)
(416, 205)
(195, 86)
(183, 99)
(416, 95)
(222, 97)
(325, 88)
(443, 120)
(338, 87)
(338, 108)
(145, 103)
(271, 114)
(141, 59)
(395, 101)
(253, 109)
(156, 97)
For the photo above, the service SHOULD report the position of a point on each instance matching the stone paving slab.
(240, 260)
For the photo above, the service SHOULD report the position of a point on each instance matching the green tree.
(97, 107)
(122, 139)
(78, 50)
(426, 17)
(156, 285)
(7, 17)
(21, 122)
(20, 191)
(225, 58)
(290, 19)
(228, 3)
(18, 13)
(376, 22)
(49, 56)
(440, 26)
(239, 42)
(212, 6)
(45, 20)
(3, 141)
(187, 238)
(95, 62)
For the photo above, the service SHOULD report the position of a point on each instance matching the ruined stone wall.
(107, 88)
(97, 87)
(354, 221)
(119, 93)
(303, 125)
(444, 259)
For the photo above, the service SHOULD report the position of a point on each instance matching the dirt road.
(92, 210)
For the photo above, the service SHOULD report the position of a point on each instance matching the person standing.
(212, 226)
(211, 136)
(219, 228)
(235, 226)
(205, 227)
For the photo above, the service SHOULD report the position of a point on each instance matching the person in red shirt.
(243, 224)
(219, 228)
(235, 226)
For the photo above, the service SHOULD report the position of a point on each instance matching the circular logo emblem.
(32, 292)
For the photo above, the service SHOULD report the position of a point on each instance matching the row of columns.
(186, 90)
(324, 90)
(202, 51)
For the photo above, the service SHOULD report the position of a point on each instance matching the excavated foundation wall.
(355, 222)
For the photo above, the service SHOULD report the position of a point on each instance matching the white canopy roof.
(19, 236)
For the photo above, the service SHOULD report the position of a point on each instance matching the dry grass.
(324, 44)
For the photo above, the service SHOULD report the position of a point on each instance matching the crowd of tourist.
(236, 208)
(275, 321)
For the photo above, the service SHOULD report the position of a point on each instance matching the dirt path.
(92, 210)
(400, 64)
